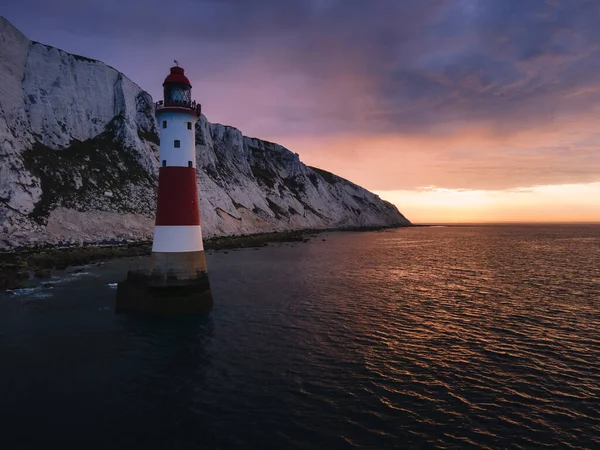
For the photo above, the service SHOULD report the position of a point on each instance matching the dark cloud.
(353, 67)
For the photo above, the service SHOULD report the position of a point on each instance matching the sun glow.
(564, 203)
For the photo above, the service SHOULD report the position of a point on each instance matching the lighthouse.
(175, 281)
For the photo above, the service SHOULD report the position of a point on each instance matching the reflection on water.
(424, 337)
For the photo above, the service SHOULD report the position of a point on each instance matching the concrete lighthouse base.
(164, 295)
(171, 284)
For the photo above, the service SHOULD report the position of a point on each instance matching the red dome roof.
(177, 76)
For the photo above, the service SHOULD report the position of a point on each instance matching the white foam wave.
(32, 293)
(56, 281)
(23, 291)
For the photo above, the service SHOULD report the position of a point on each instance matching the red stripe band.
(177, 197)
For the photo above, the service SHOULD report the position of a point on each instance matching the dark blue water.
(484, 337)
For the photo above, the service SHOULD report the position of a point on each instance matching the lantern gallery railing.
(179, 104)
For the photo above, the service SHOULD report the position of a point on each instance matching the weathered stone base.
(142, 293)
(180, 264)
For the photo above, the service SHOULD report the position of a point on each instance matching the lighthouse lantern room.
(177, 88)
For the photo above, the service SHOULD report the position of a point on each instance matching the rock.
(80, 162)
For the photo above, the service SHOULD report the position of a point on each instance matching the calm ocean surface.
(449, 337)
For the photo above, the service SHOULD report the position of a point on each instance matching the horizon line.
(508, 222)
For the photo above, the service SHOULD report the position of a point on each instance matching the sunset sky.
(454, 110)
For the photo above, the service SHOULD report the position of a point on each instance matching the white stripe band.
(178, 238)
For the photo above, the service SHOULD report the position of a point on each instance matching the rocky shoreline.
(19, 265)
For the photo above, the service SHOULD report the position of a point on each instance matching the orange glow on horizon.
(557, 203)
(471, 175)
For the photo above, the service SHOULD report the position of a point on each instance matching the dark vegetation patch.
(313, 210)
(260, 212)
(268, 146)
(149, 136)
(365, 203)
(263, 175)
(77, 176)
(296, 185)
(211, 172)
(327, 176)
(143, 103)
(226, 174)
(277, 210)
(360, 200)
(237, 205)
(145, 107)
(223, 177)
(221, 211)
(200, 138)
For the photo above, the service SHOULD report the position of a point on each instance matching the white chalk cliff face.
(79, 162)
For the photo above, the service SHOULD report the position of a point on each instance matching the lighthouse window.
(190, 164)
(164, 163)
(189, 125)
(177, 143)
(164, 124)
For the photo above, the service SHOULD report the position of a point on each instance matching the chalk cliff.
(79, 161)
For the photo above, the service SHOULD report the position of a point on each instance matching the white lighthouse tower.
(177, 245)
(176, 280)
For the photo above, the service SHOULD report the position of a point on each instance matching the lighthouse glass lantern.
(177, 90)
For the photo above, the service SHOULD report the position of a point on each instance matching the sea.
(427, 337)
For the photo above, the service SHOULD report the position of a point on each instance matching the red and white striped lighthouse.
(177, 245)
(176, 281)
